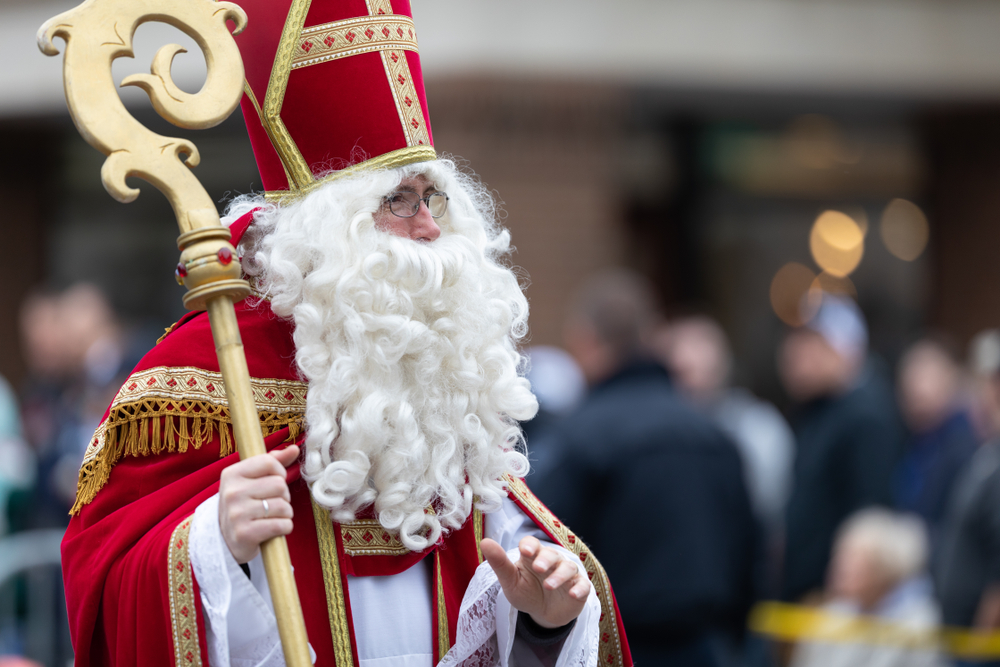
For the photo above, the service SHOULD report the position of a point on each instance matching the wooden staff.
(98, 31)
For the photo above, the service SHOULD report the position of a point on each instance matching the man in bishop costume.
(381, 339)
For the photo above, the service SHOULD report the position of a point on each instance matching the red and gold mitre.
(331, 85)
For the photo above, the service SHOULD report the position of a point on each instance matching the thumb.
(505, 570)
(287, 456)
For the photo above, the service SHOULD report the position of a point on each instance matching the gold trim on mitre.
(397, 158)
(391, 35)
(365, 34)
(288, 151)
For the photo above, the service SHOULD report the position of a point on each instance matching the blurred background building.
(698, 141)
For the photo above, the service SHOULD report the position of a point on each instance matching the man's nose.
(424, 227)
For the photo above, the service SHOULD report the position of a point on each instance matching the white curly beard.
(409, 349)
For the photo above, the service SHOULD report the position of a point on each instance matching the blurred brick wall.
(26, 188)
(964, 208)
(549, 151)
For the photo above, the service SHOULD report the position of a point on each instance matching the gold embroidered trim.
(352, 37)
(253, 100)
(183, 621)
(444, 640)
(404, 92)
(477, 526)
(295, 165)
(167, 409)
(397, 158)
(610, 648)
(379, 6)
(334, 587)
(367, 537)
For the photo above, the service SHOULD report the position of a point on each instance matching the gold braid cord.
(164, 410)
(610, 647)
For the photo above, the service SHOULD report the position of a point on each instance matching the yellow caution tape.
(795, 623)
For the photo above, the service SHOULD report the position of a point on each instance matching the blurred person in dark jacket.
(558, 384)
(941, 441)
(848, 437)
(698, 355)
(967, 574)
(654, 487)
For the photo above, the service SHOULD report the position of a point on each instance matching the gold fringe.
(156, 426)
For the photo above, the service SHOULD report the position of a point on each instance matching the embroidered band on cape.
(367, 537)
(187, 652)
(334, 585)
(610, 648)
(167, 409)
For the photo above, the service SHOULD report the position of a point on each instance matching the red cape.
(158, 454)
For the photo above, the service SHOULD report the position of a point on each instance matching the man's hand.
(543, 584)
(242, 488)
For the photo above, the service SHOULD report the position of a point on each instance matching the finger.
(255, 466)
(276, 509)
(529, 548)
(546, 560)
(564, 573)
(580, 588)
(240, 489)
(265, 488)
(286, 456)
(505, 570)
(257, 532)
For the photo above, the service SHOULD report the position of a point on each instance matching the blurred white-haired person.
(878, 571)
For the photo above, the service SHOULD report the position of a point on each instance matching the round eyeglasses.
(407, 204)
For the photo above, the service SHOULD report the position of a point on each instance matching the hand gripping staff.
(98, 31)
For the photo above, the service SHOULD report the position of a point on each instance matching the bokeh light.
(792, 297)
(904, 229)
(837, 243)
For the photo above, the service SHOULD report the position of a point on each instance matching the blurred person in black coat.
(653, 487)
(967, 574)
(941, 438)
(848, 437)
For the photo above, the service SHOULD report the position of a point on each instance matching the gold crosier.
(96, 33)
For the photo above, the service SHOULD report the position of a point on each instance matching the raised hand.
(244, 487)
(543, 584)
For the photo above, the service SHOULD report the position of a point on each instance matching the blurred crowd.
(78, 354)
(871, 498)
(873, 501)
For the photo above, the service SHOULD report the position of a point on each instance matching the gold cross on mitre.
(364, 114)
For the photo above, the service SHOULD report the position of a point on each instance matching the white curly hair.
(410, 349)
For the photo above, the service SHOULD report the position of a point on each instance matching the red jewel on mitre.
(330, 85)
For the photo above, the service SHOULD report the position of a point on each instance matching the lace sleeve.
(487, 623)
(241, 630)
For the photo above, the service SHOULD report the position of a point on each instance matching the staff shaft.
(250, 442)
